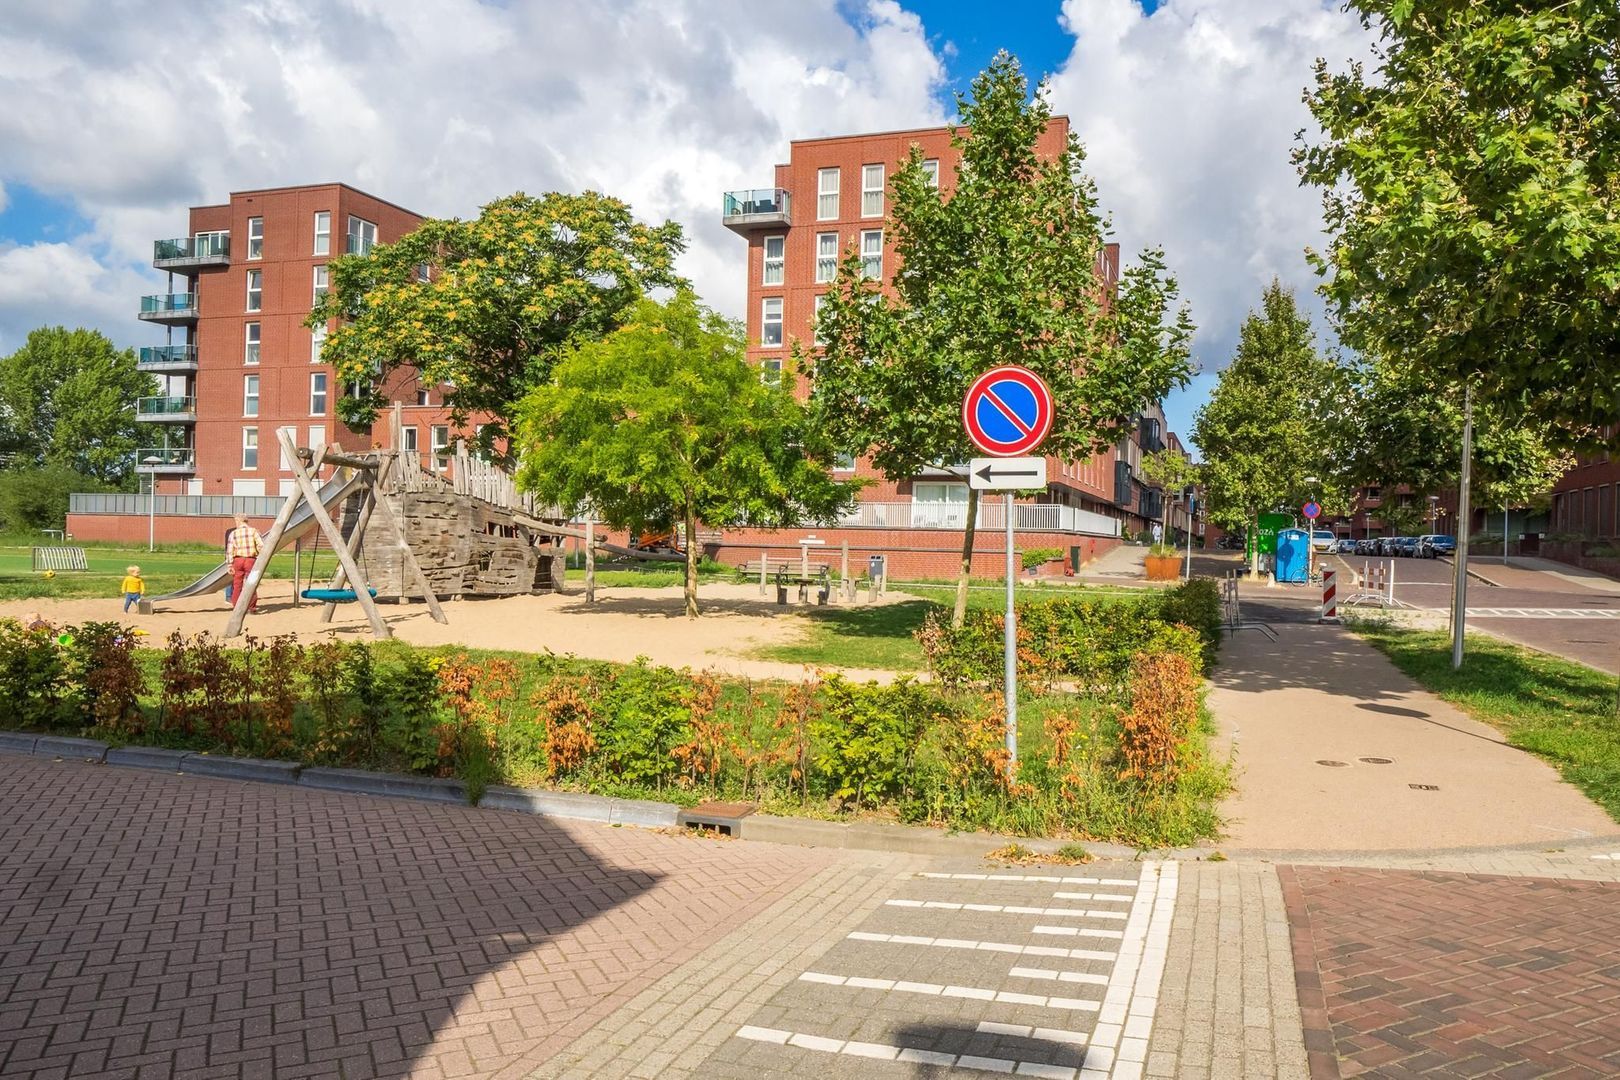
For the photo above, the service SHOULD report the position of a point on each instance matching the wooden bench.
(60, 558)
(774, 565)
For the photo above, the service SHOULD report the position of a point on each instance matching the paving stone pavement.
(156, 925)
(1452, 975)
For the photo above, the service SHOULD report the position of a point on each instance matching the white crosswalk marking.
(982, 946)
(946, 990)
(1007, 909)
(914, 1055)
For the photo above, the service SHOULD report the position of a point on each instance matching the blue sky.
(1187, 108)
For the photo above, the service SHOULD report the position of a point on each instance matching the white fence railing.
(177, 505)
(1027, 517)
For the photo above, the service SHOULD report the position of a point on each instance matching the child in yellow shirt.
(134, 587)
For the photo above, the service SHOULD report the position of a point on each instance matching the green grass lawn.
(1554, 708)
(164, 571)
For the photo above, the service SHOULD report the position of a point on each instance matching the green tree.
(1170, 470)
(664, 423)
(1471, 187)
(1262, 434)
(489, 305)
(1004, 271)
(68, 399)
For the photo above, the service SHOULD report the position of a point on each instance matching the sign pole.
(1011, 648)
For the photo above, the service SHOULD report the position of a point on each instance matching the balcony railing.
(158, 358)
(760, 206)
(170, 459)
(166, 409)
(177, 505)
(204, 249)
(360, 245)
(1027, 517)
(169, 307)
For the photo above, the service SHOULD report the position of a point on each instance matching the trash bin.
(877, 570)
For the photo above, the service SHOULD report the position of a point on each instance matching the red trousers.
(241, 567)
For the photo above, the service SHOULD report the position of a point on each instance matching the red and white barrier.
(1330, 606)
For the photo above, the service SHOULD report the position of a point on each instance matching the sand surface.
(623, 624)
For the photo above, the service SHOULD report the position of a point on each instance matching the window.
(250, 351)
(424, 272)
(843, 463)
(930, 168)
(286, 463)
(955, 493)
(362, 235)
(422, 398)
(255, 290)
(774, 246)
(410, 444)
(871, 191)
(872, 254)
(317, 393)
(317, 342)
(440, 434)
(770, 372)
(770, 329)
(826, 257)
(250, 448)
(255, 238)
(815, 320)
(323, 232)
(827, 195)
(320, 284)
(250, 395)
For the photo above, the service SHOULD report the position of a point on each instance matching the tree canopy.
(663, 423)
(1471, 187)
(1006, 270)
(489, 305)
(67, 398)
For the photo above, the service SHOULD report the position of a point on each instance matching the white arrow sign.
(1006, 473)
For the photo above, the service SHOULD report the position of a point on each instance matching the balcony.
(166, 410)
(167, 359)
(190, 252)
(171, 309)
(744, 210)
(359, 245)
(1027, 517)
(166, 460)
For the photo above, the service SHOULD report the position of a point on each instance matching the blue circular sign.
(1311, 510)
(1007, 411)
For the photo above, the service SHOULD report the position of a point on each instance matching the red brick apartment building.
(237, 362)
(830, 196)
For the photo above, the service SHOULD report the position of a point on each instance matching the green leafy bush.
(1196, 604)
(34, 679)
(1035, 556)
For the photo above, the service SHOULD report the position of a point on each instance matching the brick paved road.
(1402, 973)
(158, 925)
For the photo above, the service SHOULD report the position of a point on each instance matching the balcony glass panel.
(166, 406)
(165, 457)
(166, 355)
(208, 245)
(360, 245)
(178, 303)
(755, 201)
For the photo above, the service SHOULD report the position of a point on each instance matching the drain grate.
(1335, 764)
(1424, 787)
(1376, 761)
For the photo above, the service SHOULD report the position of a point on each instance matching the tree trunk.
(959, 613)
(691, 564)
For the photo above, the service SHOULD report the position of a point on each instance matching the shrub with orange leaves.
(1163, 713)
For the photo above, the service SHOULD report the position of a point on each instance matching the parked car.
(1323, 540)
(1406, 546)
(1441, 543)
(1366, 546)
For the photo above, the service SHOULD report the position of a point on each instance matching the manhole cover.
(1376, 761)
(1424, 787)
(1335, 764)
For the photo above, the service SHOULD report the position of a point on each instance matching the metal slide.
(331, 493)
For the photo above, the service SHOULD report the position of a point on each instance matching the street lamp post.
(151, 462)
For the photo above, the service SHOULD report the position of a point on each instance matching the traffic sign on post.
(1006, 474)
(1311, 510)
(1007, 411)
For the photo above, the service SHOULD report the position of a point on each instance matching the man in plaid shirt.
(246, 543)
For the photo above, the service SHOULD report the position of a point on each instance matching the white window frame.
(440, 451)
(770, 371)
(824, 192)
(367, 232)
(843, 463)
(867, 257)
(286, 463)
(872, 197)
(317, 342)
(775, 267)
(250, 446)
(255, 238)
(411, 439)
(255, 290)
(826, 264)
(930, 168)
(423, 400)
(318, 396)
(252, 339)
(766, 321)
(251, 397)
(323, 232)
(815, 319)
(320, 283)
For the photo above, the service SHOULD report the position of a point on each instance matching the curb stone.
(365, 782)
(18, 742)
(580, 806)
(70, 749)
(237, 768)
(149, 757)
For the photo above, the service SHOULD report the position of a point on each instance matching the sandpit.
(623, 624)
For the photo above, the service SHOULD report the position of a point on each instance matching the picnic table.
(822, 579)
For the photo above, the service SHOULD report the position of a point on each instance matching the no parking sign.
(1007, 411)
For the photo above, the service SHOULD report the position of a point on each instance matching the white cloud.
(1188, 116)
(137, 111)
(50, 284)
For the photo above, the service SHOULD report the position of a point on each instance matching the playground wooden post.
(590, 558)
(413, 569)
(333, 533)
(764, 561)
(339, 576)
(844, 582)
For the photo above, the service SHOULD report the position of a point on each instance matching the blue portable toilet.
(1293, 556)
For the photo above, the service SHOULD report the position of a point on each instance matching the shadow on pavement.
(997, 1047)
